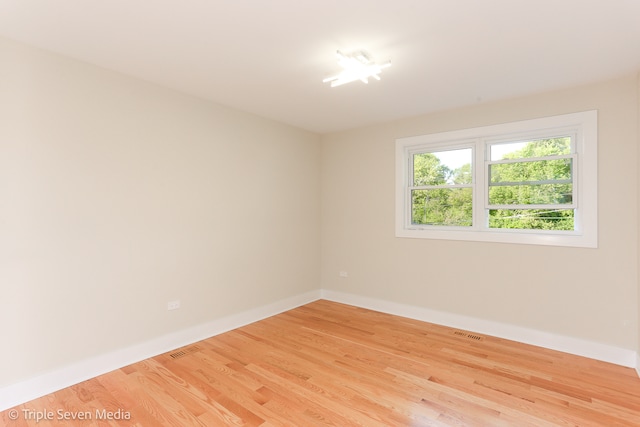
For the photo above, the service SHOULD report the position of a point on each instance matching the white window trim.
(583, 125)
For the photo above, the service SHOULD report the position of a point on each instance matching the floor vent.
(184, 352)
(468, 335)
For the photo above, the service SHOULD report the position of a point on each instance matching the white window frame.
(581, 126)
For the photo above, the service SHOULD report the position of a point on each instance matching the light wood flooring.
(329, 364)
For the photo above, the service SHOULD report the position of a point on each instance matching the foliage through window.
(523, 182)
(442, 194)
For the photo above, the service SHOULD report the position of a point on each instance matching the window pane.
(442, 206)
(541, 170)
(442, 167)
(532, 219)
(528, 149)
(543, 194)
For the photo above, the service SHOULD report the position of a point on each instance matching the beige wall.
(117, 196)
(590, 294)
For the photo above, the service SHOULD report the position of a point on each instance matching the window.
(532, 182)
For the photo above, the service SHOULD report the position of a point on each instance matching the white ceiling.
(269, 57)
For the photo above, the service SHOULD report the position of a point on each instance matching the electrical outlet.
(173, 305)
(343, 274)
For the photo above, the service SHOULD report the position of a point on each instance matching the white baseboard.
(593, 350)
(16, 394)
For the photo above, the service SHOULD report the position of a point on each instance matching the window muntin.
(527, 182)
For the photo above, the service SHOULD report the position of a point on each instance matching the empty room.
(288, 213)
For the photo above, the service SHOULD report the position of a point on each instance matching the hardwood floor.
(332, 364)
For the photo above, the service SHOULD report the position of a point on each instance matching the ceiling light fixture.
(357, 66)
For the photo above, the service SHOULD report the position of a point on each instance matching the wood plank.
(331, 364)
